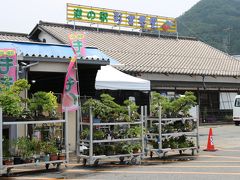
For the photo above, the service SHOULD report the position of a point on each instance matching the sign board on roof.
(112, 17)
(8, 66)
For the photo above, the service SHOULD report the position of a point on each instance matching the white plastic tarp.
(110, 78)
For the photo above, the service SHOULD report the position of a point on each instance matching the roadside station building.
(172, 64)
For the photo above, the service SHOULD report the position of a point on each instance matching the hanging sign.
(8, 66)
(78, 43)
(112, 17)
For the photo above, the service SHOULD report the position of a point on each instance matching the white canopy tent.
(113, 79)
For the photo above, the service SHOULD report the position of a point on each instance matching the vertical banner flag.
(70, 92)
(78, 43)
(8, 66)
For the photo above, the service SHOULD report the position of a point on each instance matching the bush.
(43, 102)
(10, 99)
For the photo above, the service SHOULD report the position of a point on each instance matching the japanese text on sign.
(8, 66)
(78, 44)
(120, 18)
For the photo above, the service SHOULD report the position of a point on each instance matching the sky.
(22, 15)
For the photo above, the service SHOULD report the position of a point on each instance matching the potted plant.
(43, 104)
(45, 149)
(126, 149)
(172, 107)
(36, 144)
(53, 152)
(136, 148)
(110, 150)
(84, 133)
(25, 149)
(98, 135)
(134, 132)
(61, 156)
(98, 149)
(11, 101)
(98, 108)
(131, 109)
(7, 159)
(114, 110)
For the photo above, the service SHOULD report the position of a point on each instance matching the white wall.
(50, 67)
(48, 38)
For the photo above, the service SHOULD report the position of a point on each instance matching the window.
(237, 102)
(226, 100)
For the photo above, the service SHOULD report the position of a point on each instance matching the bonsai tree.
(99, 109)
(172, 107)
(43, 103)
(133, 108)
(10, 99)
(114, 108)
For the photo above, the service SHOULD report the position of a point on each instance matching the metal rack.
(92, 159)
(6, 169)
(160, 151)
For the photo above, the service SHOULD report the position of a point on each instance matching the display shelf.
(160, 136)
(91, 158)
(116, 140)
(34, 164)
(6, 169)
(117, 123)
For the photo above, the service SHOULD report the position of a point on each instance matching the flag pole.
(79, 111)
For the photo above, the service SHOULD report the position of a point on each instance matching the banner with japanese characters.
(70, 90)
(112, 17)
(8, 66)
(78, 43)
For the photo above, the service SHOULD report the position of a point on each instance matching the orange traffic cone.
(210, 145)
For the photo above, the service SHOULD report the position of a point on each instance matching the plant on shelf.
(84, 133)
(36, 144)
(126, 148)
(136, 147)
(118, 132)
(50, 150)
(174, 107)
(114, 108)
(25, 149)
(7, 159)
(134, 132)
(98, 135)
(168, 128)
(10, 99)
(131, 109)
(98, 149)
(110, 150)
(99, 109)
(43, 104)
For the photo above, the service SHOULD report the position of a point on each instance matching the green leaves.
(10, 99)
(43, 102)
(106, 109)
(172, 107)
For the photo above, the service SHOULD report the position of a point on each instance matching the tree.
(172, 107)
(10, 99)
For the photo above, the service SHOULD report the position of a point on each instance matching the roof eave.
(64, 60)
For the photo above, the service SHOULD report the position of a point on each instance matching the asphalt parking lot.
(220, 165)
